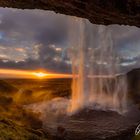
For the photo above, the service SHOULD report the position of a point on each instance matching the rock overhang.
(105, 12)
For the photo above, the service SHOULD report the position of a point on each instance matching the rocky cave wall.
(105, 12)
(133, 78)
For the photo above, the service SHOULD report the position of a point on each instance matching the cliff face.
(134, 84)
(105, 12)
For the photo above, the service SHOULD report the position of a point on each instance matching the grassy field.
(17, 123)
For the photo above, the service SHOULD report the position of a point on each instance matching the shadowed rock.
(7, 88)
(134, 84)
(97, 125)
(97, 11)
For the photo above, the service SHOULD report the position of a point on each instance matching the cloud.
(36, 25)
(26, 36)
(29, 39)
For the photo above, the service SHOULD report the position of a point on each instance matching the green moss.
(19, 123)
(137, 137)
(11, 131)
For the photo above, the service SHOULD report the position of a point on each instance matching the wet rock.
(96, 125)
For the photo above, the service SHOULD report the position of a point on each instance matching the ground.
(19, 123)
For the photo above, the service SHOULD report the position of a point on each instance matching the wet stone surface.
(95, 125)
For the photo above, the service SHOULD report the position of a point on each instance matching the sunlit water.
(98, 84)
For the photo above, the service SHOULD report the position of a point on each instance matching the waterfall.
(97, 81)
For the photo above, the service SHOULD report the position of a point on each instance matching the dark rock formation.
(134, 84)
(97, 11)
(97, 125)
(7, 88)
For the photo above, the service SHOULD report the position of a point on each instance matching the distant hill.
(7, 88)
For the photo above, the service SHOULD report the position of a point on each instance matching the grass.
(9, 130)
(137, 137)
(17, 123)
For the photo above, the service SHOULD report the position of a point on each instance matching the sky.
(37, 39)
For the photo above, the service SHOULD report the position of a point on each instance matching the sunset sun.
(40, 74)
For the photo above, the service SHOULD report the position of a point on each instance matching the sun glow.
(14, 73)
(40, 74)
